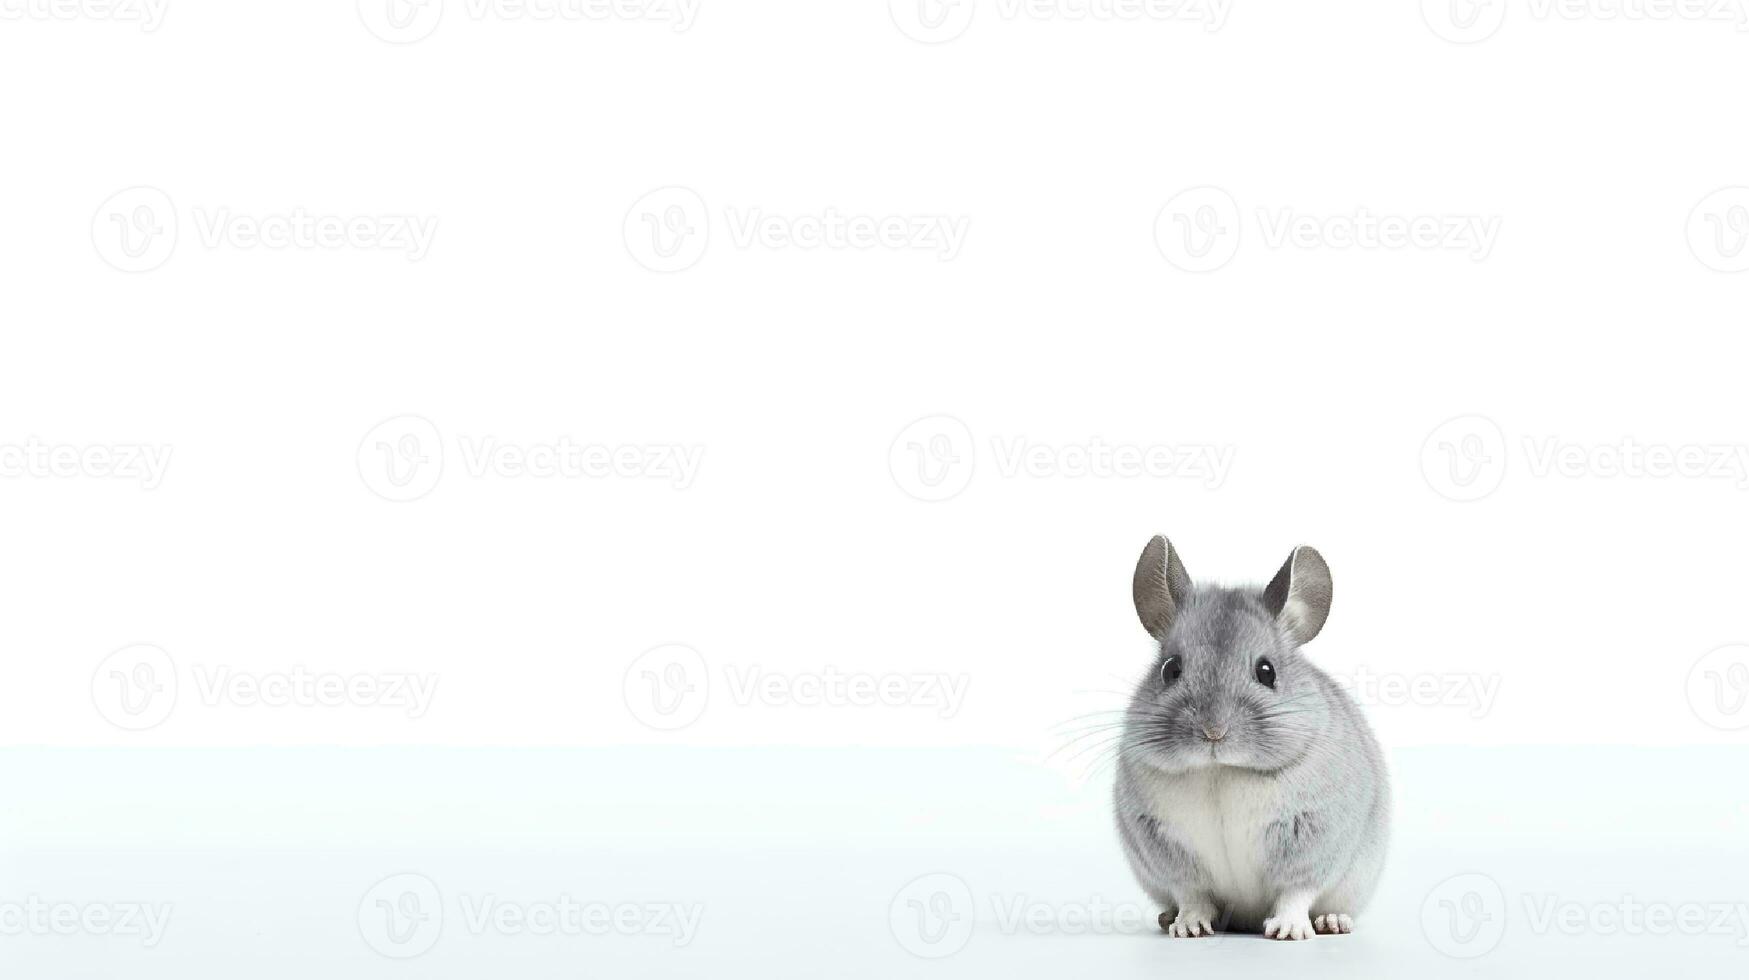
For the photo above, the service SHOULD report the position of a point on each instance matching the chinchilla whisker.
(1112, 734)
(1089, 725)
(1108, 724)
(1077, 744)
(1098, 751)
(1088, 739)
(1075, 736)
(1110, 713)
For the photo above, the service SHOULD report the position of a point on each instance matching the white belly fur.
(1219, 813)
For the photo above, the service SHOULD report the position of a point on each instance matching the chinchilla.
(1251, 795)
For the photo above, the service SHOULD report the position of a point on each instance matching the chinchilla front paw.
(1192, 921)
(1288, 927)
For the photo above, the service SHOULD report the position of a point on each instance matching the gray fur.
(1251, 807)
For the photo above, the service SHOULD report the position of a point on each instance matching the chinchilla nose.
(1214, 733)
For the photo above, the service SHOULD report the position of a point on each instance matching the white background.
(854, 517)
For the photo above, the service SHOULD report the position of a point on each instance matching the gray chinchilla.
(1250, 794)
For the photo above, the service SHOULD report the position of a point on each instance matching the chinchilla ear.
(1299, 595)
(1161, 586)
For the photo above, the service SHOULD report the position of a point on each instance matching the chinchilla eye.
(1171, 670)
(1266, 673)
